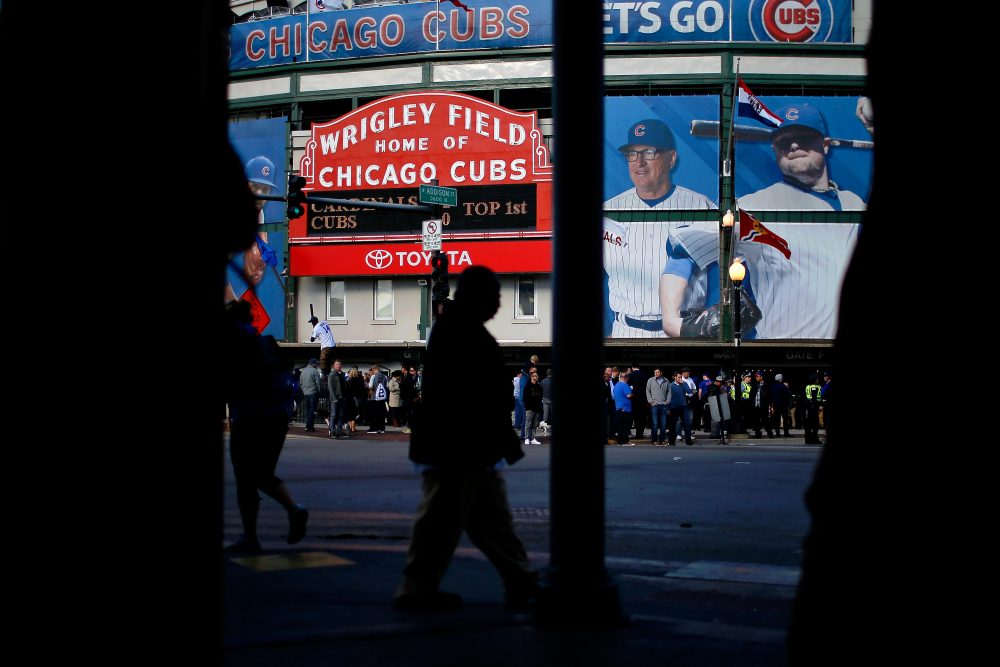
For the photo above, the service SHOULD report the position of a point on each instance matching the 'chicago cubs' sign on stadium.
(508, 24)
(384, 151)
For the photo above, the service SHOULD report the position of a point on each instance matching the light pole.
(725, 254)
(737, 272)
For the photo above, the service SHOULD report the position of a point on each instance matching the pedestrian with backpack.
(378, 395)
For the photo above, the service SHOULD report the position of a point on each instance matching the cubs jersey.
(798, 296)
(680, 198)
(634, 256)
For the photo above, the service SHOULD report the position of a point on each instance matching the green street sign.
(435, 194)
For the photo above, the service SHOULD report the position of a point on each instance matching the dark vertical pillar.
(576, 588)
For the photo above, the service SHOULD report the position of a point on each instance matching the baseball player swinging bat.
(710, 128)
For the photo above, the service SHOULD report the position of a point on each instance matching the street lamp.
(737, 272)
(725, 253)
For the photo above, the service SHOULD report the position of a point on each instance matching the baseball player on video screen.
(635, 252)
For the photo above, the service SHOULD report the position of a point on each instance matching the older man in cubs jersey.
(635, 252)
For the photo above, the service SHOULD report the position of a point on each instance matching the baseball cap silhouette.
(313, 319)
(650, 132)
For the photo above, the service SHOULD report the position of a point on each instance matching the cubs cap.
(260, 170)
(313, 319)
(650, 132)
(801, 115)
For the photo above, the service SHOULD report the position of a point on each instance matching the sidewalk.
(330, 604)
(327, 601)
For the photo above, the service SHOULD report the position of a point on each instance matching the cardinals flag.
(758, 233)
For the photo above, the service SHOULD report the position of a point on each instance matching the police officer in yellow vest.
(812, 402)
(743, 405)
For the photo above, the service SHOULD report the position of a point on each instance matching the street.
(735, 504)
(703, 544)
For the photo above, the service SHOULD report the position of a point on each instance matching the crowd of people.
(679, 404)
(346, 399)
(669, 404)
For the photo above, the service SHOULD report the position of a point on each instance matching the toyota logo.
(379, 259)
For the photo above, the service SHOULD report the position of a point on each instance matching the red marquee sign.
(496, 159)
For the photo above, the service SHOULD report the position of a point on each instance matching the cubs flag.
(751, 107)
(756, 231)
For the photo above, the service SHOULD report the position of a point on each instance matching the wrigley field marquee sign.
(493, 158)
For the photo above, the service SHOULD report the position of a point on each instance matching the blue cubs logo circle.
(791, 20)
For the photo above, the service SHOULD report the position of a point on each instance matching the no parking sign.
(432, 234)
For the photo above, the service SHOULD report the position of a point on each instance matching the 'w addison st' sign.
(385, 150)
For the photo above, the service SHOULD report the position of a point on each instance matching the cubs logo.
(379, 259)
(266, 171)
(640, 131)
(791, 20)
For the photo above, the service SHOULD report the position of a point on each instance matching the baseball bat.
(311, 313)
(710, 128)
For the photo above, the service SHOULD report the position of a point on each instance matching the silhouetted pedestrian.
(462, 486)
(258, 390)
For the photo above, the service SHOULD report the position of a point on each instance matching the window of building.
(524, 298)
(336, 299)
(383, 300)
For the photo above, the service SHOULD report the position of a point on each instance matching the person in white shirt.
(322, 332)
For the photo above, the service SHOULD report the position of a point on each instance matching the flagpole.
(727, 165)
(437, 17)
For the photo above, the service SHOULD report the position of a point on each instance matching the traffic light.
(439, 276)
(296, 199)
